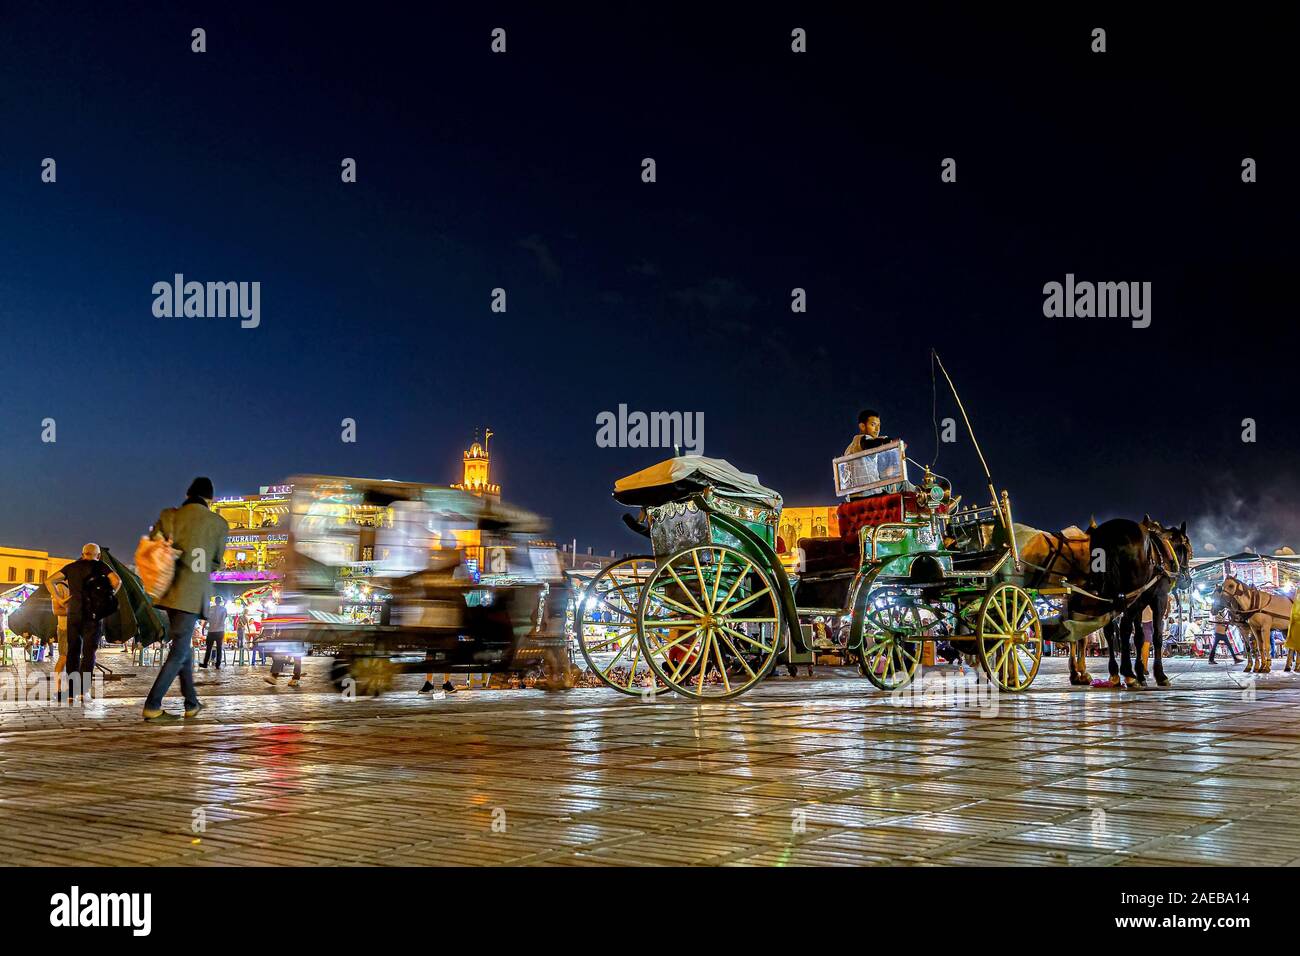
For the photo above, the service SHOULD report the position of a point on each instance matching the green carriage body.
(896, 546)
(711, 519)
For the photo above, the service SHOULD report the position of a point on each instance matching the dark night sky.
(523, 171)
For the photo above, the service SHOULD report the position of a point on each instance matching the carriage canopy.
(676, 478)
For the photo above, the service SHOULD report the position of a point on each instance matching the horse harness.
(1259, 604)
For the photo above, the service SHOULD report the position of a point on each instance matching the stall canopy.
(690, 474)
(1270, 571)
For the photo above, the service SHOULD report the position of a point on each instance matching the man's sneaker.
(449, 687)
(270, 680)
(159, 716)
(294, 682)
(427, 688)
(193, 711)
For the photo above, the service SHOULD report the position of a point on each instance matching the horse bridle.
(1253, 595)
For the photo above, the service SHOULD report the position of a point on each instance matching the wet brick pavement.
(822, 771)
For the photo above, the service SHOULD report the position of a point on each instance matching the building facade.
(21, 566)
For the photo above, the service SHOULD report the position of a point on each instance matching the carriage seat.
(827, 555)
(864, 512)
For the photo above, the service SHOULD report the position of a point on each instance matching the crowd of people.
(85, 594)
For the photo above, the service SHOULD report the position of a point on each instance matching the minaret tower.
(477, 476)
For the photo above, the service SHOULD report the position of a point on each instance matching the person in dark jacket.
(200, 535)
(216, 632)
(84, 629)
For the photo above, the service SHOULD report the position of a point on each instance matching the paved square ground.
(821, 771)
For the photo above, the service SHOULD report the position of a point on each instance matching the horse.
(1141, 564)
(1056, 559)
(1262, 612)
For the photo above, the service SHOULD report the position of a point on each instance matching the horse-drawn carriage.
(458, 583)
(714, 609)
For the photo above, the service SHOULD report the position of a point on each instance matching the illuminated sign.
(275, 491)
(245, 576)
(236, 539)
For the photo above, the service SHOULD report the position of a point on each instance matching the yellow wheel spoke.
(743, 663)
(631, 674)
(717, 584)
(686, 658)
(694, 614)
(765, 648)
(685, 590)
(668, 645)
(699, 577)
(722, 667)
(704, 661)
(722, 607)
(618, 635)
(749, 600)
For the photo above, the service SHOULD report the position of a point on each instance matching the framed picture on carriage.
(870, 471)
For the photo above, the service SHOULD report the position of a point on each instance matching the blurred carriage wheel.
(371, 675)
(709, 622)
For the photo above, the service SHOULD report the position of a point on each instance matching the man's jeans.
(277, 665)
(179, 663)
(215, 644)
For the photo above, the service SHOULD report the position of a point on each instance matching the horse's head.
(1230, 588)
(1179, 543)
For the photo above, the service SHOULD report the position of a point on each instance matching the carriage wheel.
(709, 622)
(373, 674)
(1009, 636)
(609, 646)
(893, 636)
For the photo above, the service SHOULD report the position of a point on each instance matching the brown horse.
(1055, 559)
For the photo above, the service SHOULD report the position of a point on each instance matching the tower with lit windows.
(477, 475)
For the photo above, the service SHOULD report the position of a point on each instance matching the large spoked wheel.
(709, 622)
(604, 624)
(894, 630)
(1009, 637)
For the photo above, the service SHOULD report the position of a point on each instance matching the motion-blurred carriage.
(396, 576)
(713, 610)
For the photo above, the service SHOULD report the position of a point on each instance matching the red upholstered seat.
(878, 509)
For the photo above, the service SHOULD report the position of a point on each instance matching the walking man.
(1221, 637)
(90, 585)
(200, 535)
(216, 631)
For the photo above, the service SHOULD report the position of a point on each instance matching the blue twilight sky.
(522, 171)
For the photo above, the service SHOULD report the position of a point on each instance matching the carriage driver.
(868, 436)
